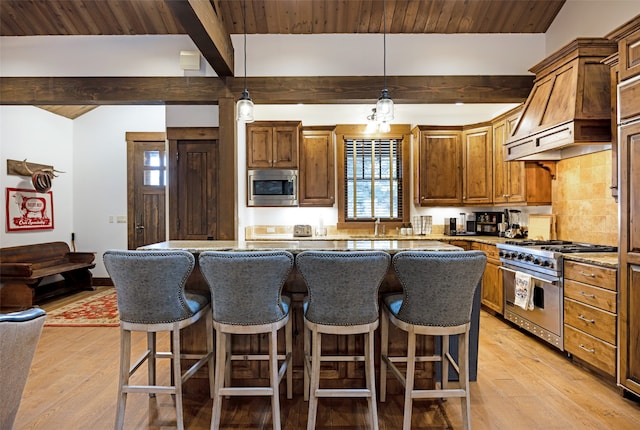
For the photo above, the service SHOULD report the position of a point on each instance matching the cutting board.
(542, 227)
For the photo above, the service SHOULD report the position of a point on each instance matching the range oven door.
(545, 320)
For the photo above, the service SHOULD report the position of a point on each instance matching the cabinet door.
(629, 310)
(477, 166)
(439, 163)
(285, 147)
(317, 174)
(259, 146)
(492, 294)
(509, 182)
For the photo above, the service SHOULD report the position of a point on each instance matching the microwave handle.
(532, 277)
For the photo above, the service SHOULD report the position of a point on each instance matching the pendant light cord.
(384, 42)
(244, 18)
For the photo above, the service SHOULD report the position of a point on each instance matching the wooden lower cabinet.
(590, 314)
(492, 295)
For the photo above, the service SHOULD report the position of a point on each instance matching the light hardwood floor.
(522, 384)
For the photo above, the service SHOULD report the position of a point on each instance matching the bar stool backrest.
(343, 286)
(438, 287)
(150, 284)
(246, 287)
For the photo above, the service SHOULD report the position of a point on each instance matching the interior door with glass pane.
(146, 189)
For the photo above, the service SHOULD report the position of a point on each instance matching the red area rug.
(99, 310)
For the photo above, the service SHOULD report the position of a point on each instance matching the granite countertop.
(490, 240)
(294, 246)
(605, 259)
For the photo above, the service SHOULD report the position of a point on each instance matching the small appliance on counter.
(451, 226)
(489, 223)
(302, 231)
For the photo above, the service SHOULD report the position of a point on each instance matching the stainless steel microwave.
(272, 187)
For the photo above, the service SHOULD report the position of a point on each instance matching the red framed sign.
(29, 210)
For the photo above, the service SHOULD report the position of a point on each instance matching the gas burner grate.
(537, 242)
(578, 247)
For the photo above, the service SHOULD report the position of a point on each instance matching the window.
(373, 179)
(155, 171)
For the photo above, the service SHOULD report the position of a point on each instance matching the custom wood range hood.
(568, 112)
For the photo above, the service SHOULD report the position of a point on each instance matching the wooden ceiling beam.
(403, 89)
(263, 90)
(205, 27)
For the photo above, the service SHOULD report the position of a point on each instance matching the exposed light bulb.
(245, 108)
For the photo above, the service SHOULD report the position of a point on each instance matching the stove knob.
(546, 263)
(520, 256)
(514, 255)
(528, 258)
(537, 261)
(502, 254)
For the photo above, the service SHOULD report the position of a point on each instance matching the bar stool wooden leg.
(125, 363)
(444, 363)
(384, 352)
(307, 362)
(370, 374)
(315, 379)
(411, 368)
(274, 379)
(211, 363)
(463, 366)
(151, 367)
(288, 340)
(178, 378)
(219, 379)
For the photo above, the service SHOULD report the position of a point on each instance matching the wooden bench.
(22, 268)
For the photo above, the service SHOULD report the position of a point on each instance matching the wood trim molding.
(264, 90)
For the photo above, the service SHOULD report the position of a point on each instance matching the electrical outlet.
(271, 229)
(122, 219)
(110, 219)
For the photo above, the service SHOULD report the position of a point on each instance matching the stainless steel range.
(542, 260)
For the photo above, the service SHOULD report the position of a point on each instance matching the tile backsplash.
(582, 202)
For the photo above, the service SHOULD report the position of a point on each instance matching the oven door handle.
(532, 277)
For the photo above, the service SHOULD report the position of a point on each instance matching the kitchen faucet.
(376, 224)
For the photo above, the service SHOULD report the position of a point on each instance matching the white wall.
(100, 174)
(43, 138)
(588, 18)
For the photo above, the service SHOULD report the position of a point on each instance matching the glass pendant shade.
(384, 107)
(245, 108)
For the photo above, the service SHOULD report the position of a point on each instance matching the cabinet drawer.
(490, 250)
(594, 296)
(593, 321)
(595, 275)
(594, 351)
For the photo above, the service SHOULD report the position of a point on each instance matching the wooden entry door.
(146, 189)
(194, 192)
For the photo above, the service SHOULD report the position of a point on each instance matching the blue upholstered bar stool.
(246, 295)
(437, 299)
(19, 335)
(342, 300)
(150, 289)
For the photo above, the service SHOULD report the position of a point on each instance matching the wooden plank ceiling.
(209, 24)
(131, 17)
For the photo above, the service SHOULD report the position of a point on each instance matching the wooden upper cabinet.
(628, 38)
(517, 182)
(437, 165)
(316, 180)
(273, 144)
(477, 165)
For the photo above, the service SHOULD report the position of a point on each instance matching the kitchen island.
(339, 374)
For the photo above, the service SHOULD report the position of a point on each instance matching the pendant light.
(245, 104)
(384, 107)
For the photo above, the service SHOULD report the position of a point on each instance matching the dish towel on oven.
(524, 291)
